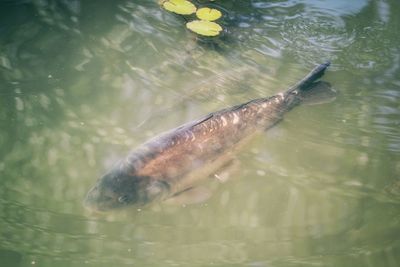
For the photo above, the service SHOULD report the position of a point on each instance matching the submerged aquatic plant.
(204, 25)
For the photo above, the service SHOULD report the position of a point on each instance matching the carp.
(176, 161)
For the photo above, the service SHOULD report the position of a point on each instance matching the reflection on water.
(83, 82)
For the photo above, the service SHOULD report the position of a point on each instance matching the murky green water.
(83, 82)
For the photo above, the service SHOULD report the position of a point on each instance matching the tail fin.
(314, 75)
(317, 93)
(309, 90)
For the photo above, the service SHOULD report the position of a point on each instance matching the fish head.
(118, 189)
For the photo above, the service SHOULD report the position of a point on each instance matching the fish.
(176, 161)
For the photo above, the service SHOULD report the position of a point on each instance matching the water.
(83, 82)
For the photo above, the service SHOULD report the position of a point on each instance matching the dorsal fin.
(206, 118)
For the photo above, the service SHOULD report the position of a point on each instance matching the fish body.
(175, 161)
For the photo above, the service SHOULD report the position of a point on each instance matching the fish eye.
(123, 199)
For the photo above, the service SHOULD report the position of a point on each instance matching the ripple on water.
(316, 36)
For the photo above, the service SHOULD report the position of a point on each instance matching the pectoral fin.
(193, 195)
(225, 173)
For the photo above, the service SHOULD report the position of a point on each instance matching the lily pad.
(181, 7)
(209, 14)
(204, 27)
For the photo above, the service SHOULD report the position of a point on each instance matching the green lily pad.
(181, 7)
(209, 14)
(204, 27)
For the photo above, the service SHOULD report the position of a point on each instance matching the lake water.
(84, 82)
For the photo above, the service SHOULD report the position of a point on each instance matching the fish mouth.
(94, 207)
(92, 201)
(90, 205)
(98, 201)
(93, 210)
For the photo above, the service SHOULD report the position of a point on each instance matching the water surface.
(84, 82)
